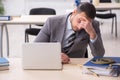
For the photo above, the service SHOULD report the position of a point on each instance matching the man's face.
(77, 19)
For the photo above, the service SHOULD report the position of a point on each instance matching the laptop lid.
(41, 56)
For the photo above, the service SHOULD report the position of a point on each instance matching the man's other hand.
(65, 58)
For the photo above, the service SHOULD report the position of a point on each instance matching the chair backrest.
(105, 1)
(42, 11)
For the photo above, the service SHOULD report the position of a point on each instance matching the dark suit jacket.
(54, 29)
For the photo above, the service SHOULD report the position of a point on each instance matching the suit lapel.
(62, 28)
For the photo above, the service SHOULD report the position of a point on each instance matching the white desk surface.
(69, 72)
(105, 6)
(27, 19)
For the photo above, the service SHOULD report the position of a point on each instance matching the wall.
(13, 7)
(19, 7)
(59, 5)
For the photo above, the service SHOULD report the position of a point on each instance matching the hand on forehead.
(85, 19)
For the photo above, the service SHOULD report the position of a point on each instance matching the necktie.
(70, 42)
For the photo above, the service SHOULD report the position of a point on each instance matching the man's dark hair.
(88, 8)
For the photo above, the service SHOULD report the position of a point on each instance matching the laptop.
(41, 56)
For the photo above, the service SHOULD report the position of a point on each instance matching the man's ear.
(74, 11)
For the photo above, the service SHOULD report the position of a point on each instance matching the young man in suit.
(81, 23)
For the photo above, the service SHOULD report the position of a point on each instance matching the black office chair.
(37, 11)
(108, 15)
(86, 54)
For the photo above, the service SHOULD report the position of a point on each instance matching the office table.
(70, 72)
(107, 6)
(103, 6)
(24, 19)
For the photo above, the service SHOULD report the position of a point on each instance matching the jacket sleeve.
(44, 34)
(97, 48)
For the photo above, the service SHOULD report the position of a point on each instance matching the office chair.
(109, 15)
(37, 11)
(86, 54)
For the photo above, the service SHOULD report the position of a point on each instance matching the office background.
(22, 7)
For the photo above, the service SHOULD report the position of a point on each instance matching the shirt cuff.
(93, 40)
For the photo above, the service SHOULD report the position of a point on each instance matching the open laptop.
(41, 56)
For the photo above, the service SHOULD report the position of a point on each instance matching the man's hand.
(87, 26)
(65, 58)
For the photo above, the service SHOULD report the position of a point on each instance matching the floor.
(16, 38)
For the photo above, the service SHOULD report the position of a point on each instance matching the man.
(81, 23)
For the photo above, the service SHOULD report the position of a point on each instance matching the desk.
(25, 19)
(103, 6)
(69, 72)
(107, 6)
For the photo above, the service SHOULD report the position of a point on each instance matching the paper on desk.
(100, 71)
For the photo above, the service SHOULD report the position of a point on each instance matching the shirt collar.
(69, 24)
